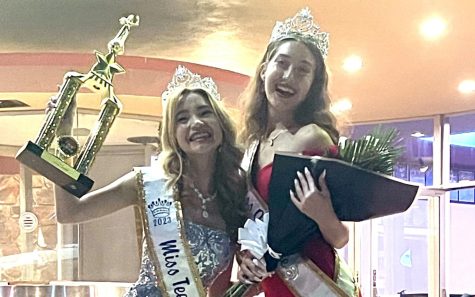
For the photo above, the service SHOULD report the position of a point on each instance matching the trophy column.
(110, 109)
(55, 167)
(70, 87)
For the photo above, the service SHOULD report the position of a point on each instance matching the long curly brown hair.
(314, 108)
(228, 176)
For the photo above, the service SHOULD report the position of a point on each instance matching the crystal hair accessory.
(184, 78)
(302, 25)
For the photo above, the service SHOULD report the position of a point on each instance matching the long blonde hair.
(314, 108)
(228, 177)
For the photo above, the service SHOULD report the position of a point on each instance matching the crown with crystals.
(302, 25)
(184, 78)
(160, 208)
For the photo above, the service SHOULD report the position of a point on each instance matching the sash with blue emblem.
(165, 235)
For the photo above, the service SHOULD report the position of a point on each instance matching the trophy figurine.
(56, 166)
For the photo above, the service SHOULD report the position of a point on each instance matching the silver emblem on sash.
(289, 267)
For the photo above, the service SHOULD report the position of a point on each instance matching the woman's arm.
(113, 197)
(312, 138)
(309, 199)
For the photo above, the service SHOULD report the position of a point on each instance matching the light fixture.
(417, 134)
(467, 86)
(341, 106)
(353, 63)
(433, 28)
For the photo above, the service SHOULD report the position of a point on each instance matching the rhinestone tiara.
(185, 79)
(302, 25)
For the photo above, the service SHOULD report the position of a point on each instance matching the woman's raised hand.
(53, 100)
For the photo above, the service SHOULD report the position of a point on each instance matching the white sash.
(176, 270)
(300, 274)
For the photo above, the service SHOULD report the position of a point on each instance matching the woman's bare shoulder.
(313, 137)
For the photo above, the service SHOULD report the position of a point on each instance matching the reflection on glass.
(400, 245)
(462, 208)
(462, 155)
(454, 195)
(417, 174)
(400, 171)
(466, 195)
(402, 251)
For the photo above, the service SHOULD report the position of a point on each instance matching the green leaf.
(237, 290)
(377, 151)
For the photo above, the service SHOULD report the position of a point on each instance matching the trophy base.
(54, 169)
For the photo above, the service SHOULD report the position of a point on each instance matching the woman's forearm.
(67, 207)
(335, 232)
(113, 197)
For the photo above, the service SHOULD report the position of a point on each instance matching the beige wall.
(108, 246)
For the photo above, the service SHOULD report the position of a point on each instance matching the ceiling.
(403, 74)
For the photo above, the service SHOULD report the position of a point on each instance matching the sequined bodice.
(212, 250)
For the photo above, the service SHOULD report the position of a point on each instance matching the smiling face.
(197, 127)
(288, 76)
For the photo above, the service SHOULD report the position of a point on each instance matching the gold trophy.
(55, 166)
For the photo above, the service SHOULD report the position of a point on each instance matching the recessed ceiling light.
(341, 106)
(467, 86)
(353, 63)
(433, 28)
(417, 134)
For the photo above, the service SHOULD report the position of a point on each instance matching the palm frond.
(377, 151)
(237, 290)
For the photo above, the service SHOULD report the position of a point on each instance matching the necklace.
(271, 138)
(204, 200)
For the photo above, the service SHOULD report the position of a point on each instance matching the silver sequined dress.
(212, 250)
